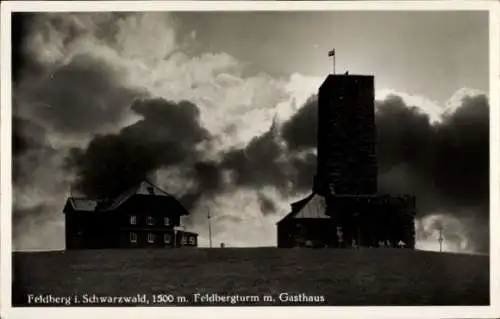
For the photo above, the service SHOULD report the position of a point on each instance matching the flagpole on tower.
(331, 53)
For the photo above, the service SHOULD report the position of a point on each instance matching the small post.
(440, 238)
(209, 227)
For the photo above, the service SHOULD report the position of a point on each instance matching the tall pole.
(209, 227)
(440, 239)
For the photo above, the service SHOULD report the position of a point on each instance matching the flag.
(331, 53)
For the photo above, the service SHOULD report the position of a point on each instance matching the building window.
(133, 220)
(151, 190)
(150, 220)
(192, 241)
(167, 238)
(133, 237)
(151, 238)
(184, 240)
(166, 221)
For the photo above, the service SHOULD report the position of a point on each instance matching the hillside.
(342, 277)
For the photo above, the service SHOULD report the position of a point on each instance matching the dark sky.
(426, 53)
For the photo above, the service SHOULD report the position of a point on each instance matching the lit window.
(151, 238)
(192, 240)
(166, 221)
(150, 220)
(167, 238)
(133, 220)
(133, 237)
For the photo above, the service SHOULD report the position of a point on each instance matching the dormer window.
(166, 221)
(133, 220)
(150, 220)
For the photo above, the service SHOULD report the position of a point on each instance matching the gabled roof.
(313, 206)
(143, 188)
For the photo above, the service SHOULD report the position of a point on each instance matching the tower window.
(151, 238)
(133, 237)
(150, 220)
(133, 220)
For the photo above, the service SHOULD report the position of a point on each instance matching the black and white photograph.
(189, 155)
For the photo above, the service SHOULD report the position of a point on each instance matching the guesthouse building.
(144, 216)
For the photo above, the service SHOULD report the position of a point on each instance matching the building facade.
(307, 225)
(346, 156)
(374, 220)
(144, 216)
(346, 177)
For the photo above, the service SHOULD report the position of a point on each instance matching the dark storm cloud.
(450, 159)
(68, 93)
(304, 166)
(21, 24)
(267, 205)
(300, 130)
(462, 153)
(258, 163)
(208, 175)
(26, 135)
(166, 135)
(29, 149)
(79, 97)
(404, 135)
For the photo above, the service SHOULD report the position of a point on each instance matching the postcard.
(250, 158)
